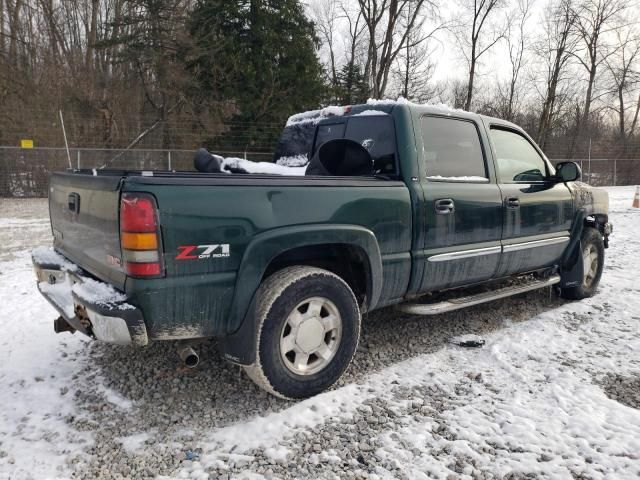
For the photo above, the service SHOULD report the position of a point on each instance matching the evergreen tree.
(352, 85)
(260, 54)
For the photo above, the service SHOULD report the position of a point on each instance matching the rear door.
(538, 210)
(462, 204)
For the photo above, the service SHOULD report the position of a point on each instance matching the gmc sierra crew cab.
(398, 201)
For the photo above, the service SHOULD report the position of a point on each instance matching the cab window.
(377, 135)
(452, 150)
(517, 160)
(328, 132)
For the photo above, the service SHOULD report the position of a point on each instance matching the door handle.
(73, 202)
(512, 202)
(444, 206)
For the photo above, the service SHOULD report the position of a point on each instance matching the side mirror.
(568, 171)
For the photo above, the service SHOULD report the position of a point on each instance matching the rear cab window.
(517, 160)
(452, 150)
(376, 133)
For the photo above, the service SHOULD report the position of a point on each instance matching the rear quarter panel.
(196, 296)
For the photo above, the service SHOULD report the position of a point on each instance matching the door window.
(517, 160)
(452, 150)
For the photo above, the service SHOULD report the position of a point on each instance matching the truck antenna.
(66, 144)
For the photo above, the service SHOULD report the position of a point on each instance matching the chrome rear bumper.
(89, 306)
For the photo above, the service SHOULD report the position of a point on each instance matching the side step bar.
(462, 302)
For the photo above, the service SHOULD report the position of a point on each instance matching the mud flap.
(572, 267)
(239, 347)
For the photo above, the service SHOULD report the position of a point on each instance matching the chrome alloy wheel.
(590, 262)
(310, 336)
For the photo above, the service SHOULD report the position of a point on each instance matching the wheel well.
(347, 261)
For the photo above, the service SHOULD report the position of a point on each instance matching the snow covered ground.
(553, 393)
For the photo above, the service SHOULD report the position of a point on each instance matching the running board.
(462, 302)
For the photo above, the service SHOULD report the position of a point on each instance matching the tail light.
(140, 236)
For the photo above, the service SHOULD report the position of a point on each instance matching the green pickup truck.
(279, 269)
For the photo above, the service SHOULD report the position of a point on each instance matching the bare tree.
(516, 44)
(555, 49)
(356, 28)
(388, 35)
(325, 15)
(624, 71)
(414, 67)
(595, 19)
(477, 33)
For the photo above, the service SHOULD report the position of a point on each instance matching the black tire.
(591, 239)
(278, 296)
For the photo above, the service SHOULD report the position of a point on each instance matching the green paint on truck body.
(403, 242)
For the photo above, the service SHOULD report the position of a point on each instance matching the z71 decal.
(195, 252)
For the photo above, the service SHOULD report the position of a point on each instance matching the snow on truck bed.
(536, 401)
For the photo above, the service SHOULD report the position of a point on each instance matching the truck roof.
(385, 106)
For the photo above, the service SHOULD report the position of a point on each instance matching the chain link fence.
(24, 171)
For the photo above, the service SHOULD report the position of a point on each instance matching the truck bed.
(197, 209)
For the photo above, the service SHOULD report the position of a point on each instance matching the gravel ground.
(178, 406)
(392, 415)
(625, 390)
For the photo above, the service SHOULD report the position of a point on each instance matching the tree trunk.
(13, 32)
(92, 34)
(472, 73)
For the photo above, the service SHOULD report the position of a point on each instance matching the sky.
(449, 62)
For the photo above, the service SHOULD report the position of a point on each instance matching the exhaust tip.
(189, 357)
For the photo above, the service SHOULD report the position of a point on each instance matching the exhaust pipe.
(189, 357)
(61, 325)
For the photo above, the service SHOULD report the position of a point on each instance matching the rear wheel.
(593, 263)
(308, 331)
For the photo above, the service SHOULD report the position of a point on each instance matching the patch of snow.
(468, 338)
(315, 116)
(403, 101)
(293, 161)
(132, 444)
(115, 398)
(60, 293)
(47, 255)
(262, 167)
(388, 101)
(278, 454)
(371, 113)
(100, 293)
(471, 178)
(267, 431)
(38, 375)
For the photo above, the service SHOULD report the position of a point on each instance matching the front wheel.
(593, 263)
(308, 330)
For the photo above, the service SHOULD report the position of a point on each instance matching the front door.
(462, 205)
(538, 210)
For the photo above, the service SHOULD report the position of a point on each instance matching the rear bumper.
(91, 307)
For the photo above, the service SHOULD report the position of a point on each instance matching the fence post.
(78, 158)
(169, 159)
(615, 171)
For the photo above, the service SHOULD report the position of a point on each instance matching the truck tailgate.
(84, 212)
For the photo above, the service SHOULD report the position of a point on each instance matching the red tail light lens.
(143, 269)
(142, 255)
(138, 213)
